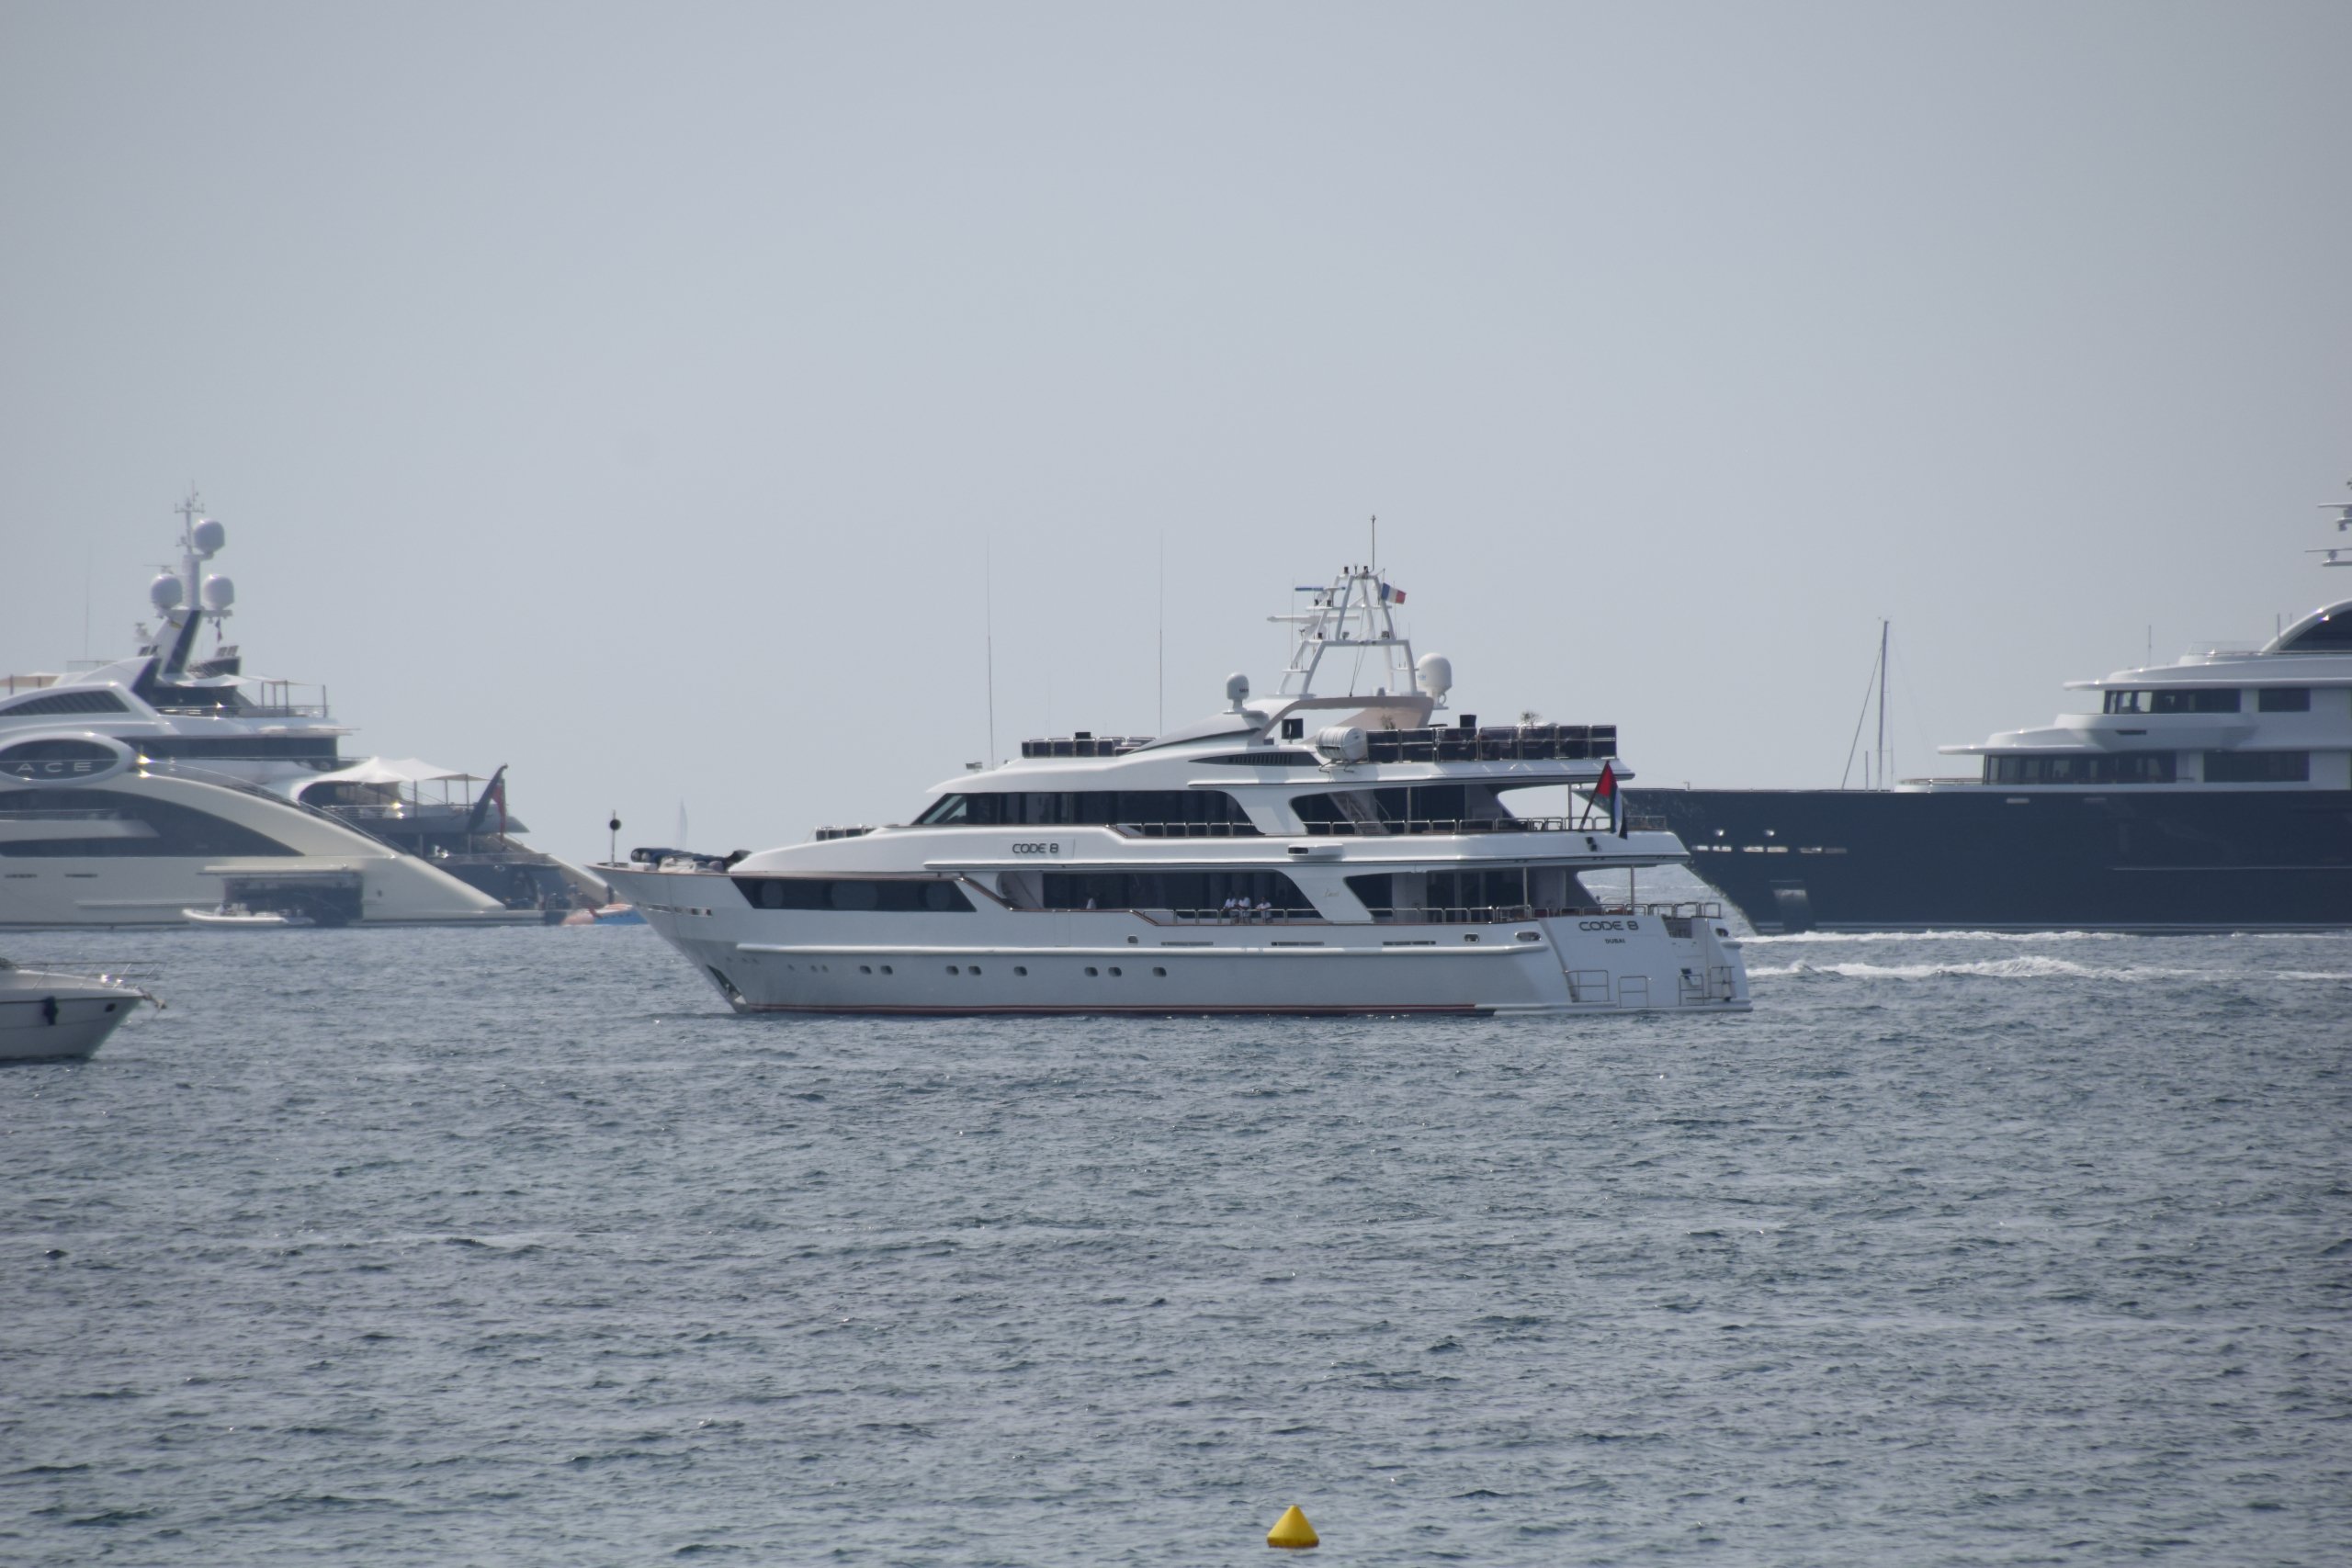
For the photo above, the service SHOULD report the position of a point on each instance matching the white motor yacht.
(1298, 853)
(49, 1015)
(137, 790)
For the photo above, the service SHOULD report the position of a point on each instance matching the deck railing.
(1594, 823)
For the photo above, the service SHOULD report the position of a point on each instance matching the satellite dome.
(218, 592)
(164, 591)
(1434, 674)
(1237, 689)
(210, 536)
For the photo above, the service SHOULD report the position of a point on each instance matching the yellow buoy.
(1293, 1530)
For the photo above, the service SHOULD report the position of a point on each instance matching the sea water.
(517, 1247)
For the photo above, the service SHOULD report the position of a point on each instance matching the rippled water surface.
(515, 1246)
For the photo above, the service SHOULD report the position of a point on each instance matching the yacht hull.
(60, 860)
(49, 1018)
(999, 960)
(1982, 858)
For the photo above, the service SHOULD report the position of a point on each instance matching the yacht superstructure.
(1296, 853)
(2210, 794)
(137, 789)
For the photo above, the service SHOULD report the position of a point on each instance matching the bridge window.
(2184, 699)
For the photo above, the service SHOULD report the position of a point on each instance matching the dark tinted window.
(2145, 767)
(1192, 891)
(126, 825)
(70, 702)
(2175, 700)
(1210, 812)
(898, 896)
(1481, 895)
(242, 748)
(2284, 699)
(1414, 808)
(2258, 767)
(1270, 758)
(2330, 632)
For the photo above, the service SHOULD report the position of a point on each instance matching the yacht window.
(1210, 813)
(2258, 767)
(1413, 808)
(2143, 767)
(2284, 699)
(2330, 630)
(947, 810)
(907, 895)
(1503, 893)
(2181, 699)
(1180, 891)
(124, 825)
(240, 748)
(67, 701)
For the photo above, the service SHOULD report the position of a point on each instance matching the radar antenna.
(1355, 610)
(2339, 555)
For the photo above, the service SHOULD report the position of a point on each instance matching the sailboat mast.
(1883, 780)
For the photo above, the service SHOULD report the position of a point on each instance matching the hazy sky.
(632, 394)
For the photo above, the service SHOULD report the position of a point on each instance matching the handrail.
(244, 710)
(1389, 915)
(1642, 823)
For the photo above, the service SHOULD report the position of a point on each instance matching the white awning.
(386, 771)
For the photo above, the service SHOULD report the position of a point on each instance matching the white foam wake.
(2033, 967)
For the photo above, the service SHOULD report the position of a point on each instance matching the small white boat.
(48, 1015)
(237, 917)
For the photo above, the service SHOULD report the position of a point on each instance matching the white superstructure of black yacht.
(1301, 852)
(2210, 794)
(134, 791)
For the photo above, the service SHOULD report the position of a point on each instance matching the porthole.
(1021, 969)
(886, 968)
(1115, 969)
(1133, 940)
(1090, 970)
(974, 968)
(953, 970)
(1162, 973)
(865, 968)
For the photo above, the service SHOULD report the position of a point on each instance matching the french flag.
(1391, 595)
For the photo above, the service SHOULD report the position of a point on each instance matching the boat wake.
(2035, 966)
(1841, 937)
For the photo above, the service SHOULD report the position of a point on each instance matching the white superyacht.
(137, 791)
(1298, 853)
